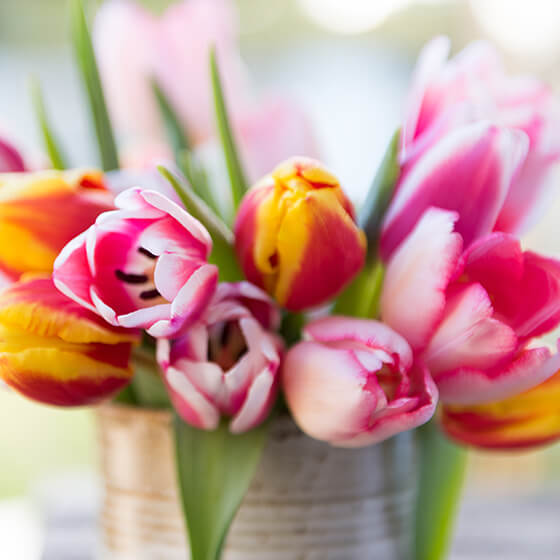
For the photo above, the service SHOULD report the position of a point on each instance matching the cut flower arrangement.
(421, 308)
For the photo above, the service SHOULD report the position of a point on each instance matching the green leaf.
(380, 193)
(54, 152)
(214, 470)
(361, 297)
(223, 253)
(442, 474)
(235, 171)
(196, 175)
(175, 131)
(148, 387)
(85, 58)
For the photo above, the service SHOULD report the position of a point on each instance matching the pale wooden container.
(308, 501)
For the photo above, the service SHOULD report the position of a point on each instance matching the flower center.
(226, 344)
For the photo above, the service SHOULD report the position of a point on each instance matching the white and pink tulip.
(227, 363)
(143, 265)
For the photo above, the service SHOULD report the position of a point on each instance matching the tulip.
(352, 382)
(30, 234)
(469, 171)
(526, 420)
(473, 316)
(472, 87)
(295, 235)
(133, 46)
(227, 363)
(10, 159)
(143, 265)
(54, 351)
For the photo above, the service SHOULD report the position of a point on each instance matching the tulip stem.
(442, 475)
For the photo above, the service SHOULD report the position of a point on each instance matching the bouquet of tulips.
(359, 325)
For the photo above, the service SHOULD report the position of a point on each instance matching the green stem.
(442, 475)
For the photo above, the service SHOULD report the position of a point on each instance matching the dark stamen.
(131, 278)
(149, 294)
(146, 253)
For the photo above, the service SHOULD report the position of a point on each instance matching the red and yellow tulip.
(40, 212)
(296, 237)
(55, 351)
(526, 420)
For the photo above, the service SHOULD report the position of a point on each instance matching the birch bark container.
(308, 501)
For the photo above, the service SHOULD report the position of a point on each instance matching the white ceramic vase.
(308, 501)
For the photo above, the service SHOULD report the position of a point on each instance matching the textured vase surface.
(307, 501)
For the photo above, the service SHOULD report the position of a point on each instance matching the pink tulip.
(352, 382)
(273, 132)
(227, 363)
(473, 87)
(10, 159)
(143, 265)
(469, 171)
(133, 46)
(474, 316)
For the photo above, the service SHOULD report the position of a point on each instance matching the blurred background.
(348, 63)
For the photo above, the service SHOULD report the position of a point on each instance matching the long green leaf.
(214, 469)
(85, 58)
(223, 253)
(235, 170)
(176, 133)
(361, 296)
(54, 152)
(380, 193)
(442, 474)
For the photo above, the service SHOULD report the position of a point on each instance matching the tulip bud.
(526, 420)
(141, 266)
(227, 363)
(54, 351)
(352, 382)
(295, 235)
(31, 235)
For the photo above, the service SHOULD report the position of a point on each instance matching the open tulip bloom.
(221, 306)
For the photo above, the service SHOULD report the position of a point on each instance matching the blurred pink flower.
(141, 266)
(227, 363)
(473, 86)
(473, 316)
(11, 160)
(352, 382)
(134, 46)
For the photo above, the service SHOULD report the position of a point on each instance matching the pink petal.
(539, 297)
(372, 334)
(413, 297)
(324, 389)
(471, 386)
(430, 63)
(10, 159)
(417, 410)
(496, 262)
(193, 407)
(258, 403)
(469, 171)
(189, 303)
(273, 132)
(71, 272)
(468, 336)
